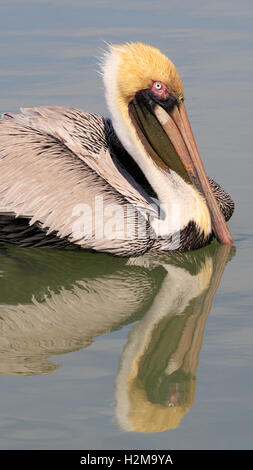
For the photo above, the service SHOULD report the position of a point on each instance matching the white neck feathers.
(176, 196)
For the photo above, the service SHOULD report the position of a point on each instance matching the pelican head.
(146, 99)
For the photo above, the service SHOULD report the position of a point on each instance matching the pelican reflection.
(64, 300)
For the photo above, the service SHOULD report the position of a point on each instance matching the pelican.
(127, 185)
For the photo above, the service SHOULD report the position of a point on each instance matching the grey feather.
(54, 159)
(47, 169)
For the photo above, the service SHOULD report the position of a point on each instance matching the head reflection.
(65, 299)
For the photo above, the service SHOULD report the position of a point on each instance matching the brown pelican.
(69, 177)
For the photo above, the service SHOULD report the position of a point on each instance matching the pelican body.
(126, 185)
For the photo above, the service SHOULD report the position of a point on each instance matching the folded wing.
(55, 160)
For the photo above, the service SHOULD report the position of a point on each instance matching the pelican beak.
(167, 136)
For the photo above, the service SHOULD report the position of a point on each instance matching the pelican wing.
(53, 162)
(84, 134)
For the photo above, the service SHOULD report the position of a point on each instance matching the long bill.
(177, 127)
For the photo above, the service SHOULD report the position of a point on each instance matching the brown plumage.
(51, 160)
(47, 171)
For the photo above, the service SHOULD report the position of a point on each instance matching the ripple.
(243, 239)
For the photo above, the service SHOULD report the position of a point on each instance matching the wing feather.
(84, 134)
(47, 169)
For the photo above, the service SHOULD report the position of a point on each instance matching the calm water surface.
(99, 352)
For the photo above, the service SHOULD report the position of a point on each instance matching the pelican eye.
(157, 86)
(160, 90)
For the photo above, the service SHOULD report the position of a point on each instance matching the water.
(95, 351)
